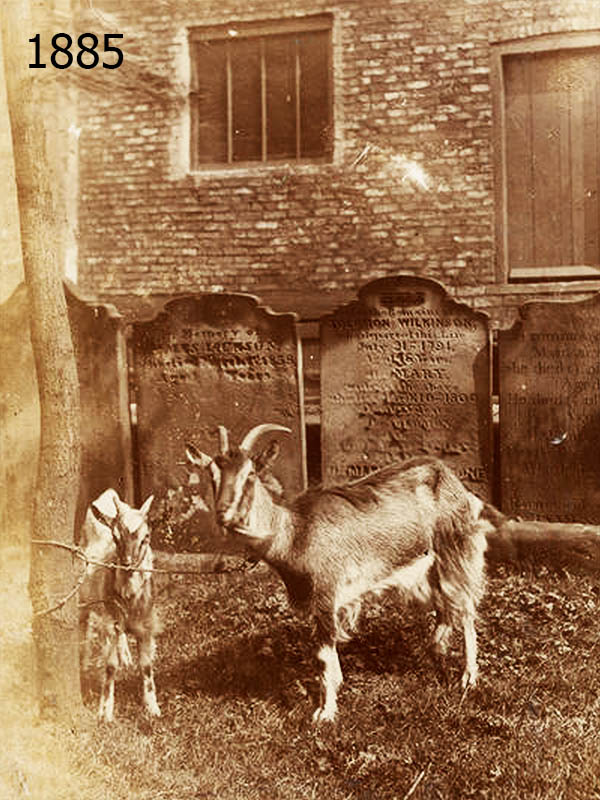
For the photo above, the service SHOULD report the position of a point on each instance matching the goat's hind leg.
(459, 613)
(469, 676)
(331, 677)
(441, 643)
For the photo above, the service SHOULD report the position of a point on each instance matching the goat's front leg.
(123, 650)
(85, 635)
(146, 647)
(111, 660)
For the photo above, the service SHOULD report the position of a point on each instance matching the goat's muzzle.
(230, 523)
(224, 519)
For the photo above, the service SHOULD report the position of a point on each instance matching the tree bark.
(52, 569)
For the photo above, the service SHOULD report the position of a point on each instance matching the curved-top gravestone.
(204, 361)
(405, 372)
(550, 412)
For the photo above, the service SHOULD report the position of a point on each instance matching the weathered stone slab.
(204, 361)
(99, 343)
(550, 412)
(101, 353)
(405, 372)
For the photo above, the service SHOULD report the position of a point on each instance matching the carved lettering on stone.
(405, 372)
(209, 360)
(550, 412)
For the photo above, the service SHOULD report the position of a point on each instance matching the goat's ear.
(120, 506)
(146, 506)
(196, 457)
(267, 457)
(101, 516)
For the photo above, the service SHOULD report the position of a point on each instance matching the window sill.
(259, 168)
(553, 274)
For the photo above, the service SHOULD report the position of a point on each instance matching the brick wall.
(411, 79)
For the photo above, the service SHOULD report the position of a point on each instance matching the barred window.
(261, 92)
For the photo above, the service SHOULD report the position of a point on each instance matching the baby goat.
(412, 525)
(115, 533)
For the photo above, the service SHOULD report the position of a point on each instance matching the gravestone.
(405, 371)
(101, 354)
(549, 370)
(98, 340)
(205, 361)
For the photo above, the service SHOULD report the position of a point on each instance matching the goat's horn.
(223, 439)
(252, 435)
(196, 457)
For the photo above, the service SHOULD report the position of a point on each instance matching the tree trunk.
(52, 569)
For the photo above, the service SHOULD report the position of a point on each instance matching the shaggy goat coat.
(412, 525)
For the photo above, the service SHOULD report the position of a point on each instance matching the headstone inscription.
(205, 361)
(405, 372)
(549, 372)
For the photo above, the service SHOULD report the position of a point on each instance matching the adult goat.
(412, 525)
(121, 594)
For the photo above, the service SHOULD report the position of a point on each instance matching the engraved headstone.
(405, 372)
(205, 361)
(550, 412)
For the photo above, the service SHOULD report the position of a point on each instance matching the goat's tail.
(346, 621)
(460, 543)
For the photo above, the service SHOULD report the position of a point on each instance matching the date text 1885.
(86, 56)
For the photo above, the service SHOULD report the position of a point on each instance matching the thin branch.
(65, 599)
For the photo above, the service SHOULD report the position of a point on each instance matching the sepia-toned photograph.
(300, 400)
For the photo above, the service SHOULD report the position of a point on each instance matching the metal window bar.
(229, 106)
(263, 99)
(317, 23)
(298, 77)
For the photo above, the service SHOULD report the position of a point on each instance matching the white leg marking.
(107, 701)
(86, 658)
(146, 647)
(469, 677)
(124, 653)
(107, 694)
(441, 638)
(331, 680)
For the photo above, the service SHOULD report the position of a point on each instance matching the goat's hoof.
(153, 709)
(469, 678)
(324, 715)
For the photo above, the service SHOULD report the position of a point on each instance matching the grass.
(236, 683)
